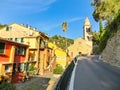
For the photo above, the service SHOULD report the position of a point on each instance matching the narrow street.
(92, 74)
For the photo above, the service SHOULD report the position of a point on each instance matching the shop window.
(2, 47)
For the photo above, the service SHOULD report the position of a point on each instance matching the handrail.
(63, 82)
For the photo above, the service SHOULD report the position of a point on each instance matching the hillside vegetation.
(1, 26)
(62, 42)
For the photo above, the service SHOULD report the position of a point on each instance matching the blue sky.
(48, 15)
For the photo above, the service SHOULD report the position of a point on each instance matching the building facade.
(61, 57)
(83, 45)
(13, 59)
(37, 41)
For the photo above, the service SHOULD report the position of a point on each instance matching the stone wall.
(111, 53)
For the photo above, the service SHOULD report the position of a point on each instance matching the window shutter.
(7, 28)
(22, 39)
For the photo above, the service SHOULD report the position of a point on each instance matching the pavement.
(93, 74)
(45, 82)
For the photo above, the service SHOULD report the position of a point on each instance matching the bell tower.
(87, 31)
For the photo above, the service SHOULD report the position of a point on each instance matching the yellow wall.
(60, 54)
(80, 45)
(31, 42)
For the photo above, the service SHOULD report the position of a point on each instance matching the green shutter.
(2, 47)
(11, 39)
(25, 65)
(22, 39)
(7, 28)
(15, 39)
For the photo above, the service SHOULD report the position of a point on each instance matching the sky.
(48, 15)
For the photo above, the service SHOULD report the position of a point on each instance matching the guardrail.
(63, 82)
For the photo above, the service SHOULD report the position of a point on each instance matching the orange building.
(39, 53)
(13, 60)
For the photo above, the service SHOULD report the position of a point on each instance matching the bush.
(7, 86)
(58, 70)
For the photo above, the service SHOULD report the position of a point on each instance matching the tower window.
(89, 38)
(87, 29)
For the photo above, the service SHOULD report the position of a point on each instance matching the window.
(58, 58)
(10, 39)
(20, 51)
(87, 29)
(7, 68)
(2, 47)
(10, 28)
(20, 67)
(42, 43)
(46, 44)
(16, 39)
(14, 67)
(89, 38)
(64, 58)
(19, 40)
(79, 43)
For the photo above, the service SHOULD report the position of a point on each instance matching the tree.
(64, 26)
(106, 10)
(96, 38)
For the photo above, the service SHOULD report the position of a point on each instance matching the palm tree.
(64, 26)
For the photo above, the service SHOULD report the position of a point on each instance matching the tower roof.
(87, 22)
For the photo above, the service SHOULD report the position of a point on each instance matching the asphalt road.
(92, 74)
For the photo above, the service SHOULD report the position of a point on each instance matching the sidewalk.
(45, 82)
(34, 83)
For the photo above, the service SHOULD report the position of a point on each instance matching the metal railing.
(63, 82)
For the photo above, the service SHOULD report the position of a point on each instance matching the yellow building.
(83, 45)
(59, 53)
(36, 40)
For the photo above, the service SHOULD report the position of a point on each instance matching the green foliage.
(105, 9)
(31, 67)
(103, 40)
(108, 10)
(61, 41)
(7, 86)
(58, 70)
(2, 26)
(96, 38)
(64, 26)
(115, 24)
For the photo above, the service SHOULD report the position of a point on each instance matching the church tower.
(87, 30)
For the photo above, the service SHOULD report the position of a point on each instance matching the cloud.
(52, 26)
(24, 6)
(74, 19)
